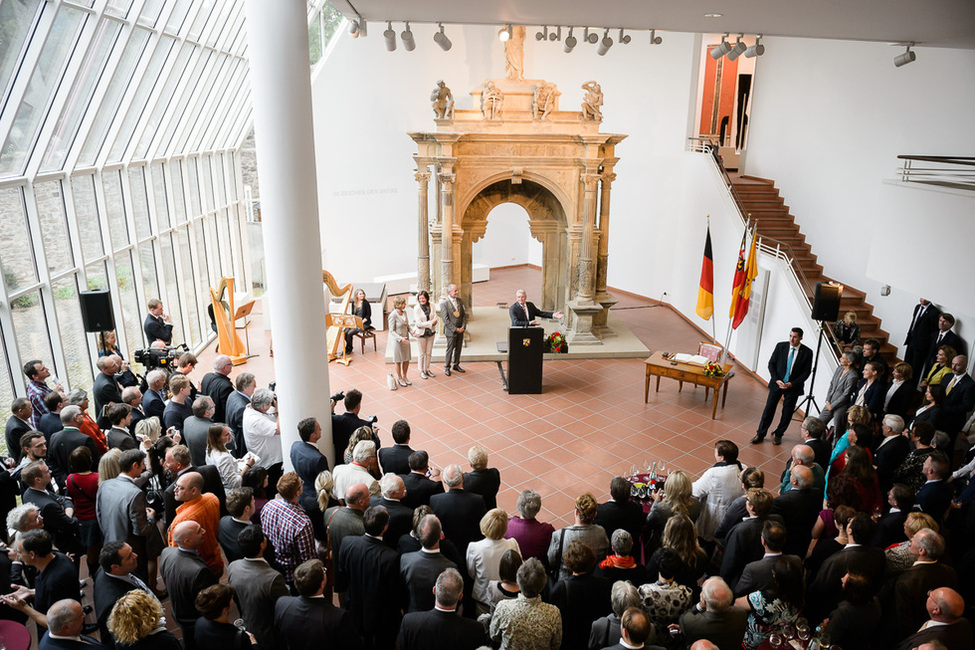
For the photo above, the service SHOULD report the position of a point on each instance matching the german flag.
(705, 292)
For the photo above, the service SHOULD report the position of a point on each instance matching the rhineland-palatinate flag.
(739, 281)
(705, 292)
(743, 292)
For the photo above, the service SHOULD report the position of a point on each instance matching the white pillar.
(281, 82)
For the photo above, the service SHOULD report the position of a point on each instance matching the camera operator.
(262, 434)
(343, 425)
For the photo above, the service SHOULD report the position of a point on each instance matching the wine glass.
(788, 632)
(803, 632)
(775, 640)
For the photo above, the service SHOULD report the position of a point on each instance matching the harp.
(337, 323)
(224, 317)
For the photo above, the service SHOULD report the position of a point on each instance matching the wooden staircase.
(759, 198)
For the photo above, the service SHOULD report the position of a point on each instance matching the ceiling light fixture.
(590, 38)
(408, 43)
(505, 34)
(570, 42)
(713, 15)
(737, 49)
(542, 35)
(357, 27)
(556, 35)
(390, 36)
(722, 48)
(441, 39)
(906, 57)
(604, 44)
(654, 39)
(625, 39)
(755, 50)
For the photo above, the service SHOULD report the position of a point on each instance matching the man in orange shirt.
(204, 509)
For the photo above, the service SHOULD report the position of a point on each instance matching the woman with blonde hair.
(108, 467)
(148, 429)
(323, 488)
(899, 556)
(847, 331)
(135, 623)
(941, 367)
(399, 332)
(484, 556)
(675, 498)
(584, 530)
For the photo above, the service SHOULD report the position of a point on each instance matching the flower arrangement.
(711, 369)
(555, 342)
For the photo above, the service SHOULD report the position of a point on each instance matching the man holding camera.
(343, 425)
(262, 435)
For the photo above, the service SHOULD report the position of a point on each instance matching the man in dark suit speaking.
(524, 313)
(789, 366)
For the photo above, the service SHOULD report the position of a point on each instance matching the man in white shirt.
(358, 471)
(262, 434)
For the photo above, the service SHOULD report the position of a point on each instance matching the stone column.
(447, 256)
(423, 256)
(283, 125)
(584, 308)
(603, 297)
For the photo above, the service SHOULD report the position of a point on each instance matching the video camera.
(164, 357)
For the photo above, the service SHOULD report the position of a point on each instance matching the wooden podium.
(525, 347)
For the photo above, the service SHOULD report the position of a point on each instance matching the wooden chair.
(713, 353)
(362, 335)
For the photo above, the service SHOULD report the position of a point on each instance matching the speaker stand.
(810, 399)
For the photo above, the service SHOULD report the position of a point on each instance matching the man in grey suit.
(196, 427)
(454, 324)
(758, 574)
(714, 618)
(258, 587)
(420, 569)
(343, 521)
(121, 510)
(186, 575)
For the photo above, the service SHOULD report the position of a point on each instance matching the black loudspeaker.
(96, 310)
(826, 306)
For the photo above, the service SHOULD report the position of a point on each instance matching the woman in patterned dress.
(778, 605)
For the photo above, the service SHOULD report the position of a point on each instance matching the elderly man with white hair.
(217, 385)
(360, 470)
(262, 434)
(154, 400)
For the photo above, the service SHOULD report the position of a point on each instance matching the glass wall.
(121, 130)
(113, 174)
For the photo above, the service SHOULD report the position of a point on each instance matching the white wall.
(827, 124)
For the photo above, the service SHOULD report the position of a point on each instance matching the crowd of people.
(179, 492)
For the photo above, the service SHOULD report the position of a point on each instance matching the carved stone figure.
(492, 101)
(592, 101)
(544, 100)
(443, 101)
(514, 55)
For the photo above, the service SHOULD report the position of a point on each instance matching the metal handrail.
(781, 250)
(958, 171)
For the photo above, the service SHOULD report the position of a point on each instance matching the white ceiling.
(929, 23)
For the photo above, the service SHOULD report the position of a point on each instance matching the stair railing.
(947, 171)
(767, 245)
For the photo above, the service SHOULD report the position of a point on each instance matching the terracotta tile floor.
(588, 425)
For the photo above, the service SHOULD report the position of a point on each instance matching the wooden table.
(658, 366)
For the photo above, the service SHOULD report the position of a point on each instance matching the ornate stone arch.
(547, 222)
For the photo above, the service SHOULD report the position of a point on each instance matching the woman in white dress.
(218, 435)
(399, 332)
(425, 325)
(717, 488)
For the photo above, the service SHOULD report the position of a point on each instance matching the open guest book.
(693, 359)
